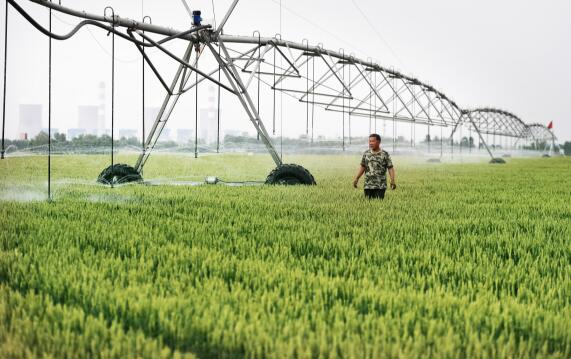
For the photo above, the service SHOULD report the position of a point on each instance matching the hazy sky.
(513, 55)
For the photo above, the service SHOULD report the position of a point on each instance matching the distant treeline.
(94, 143)
(60, 142)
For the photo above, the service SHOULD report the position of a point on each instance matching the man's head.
(374, 141)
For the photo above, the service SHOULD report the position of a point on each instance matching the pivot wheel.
(290, 174)
(118, 174)
(497, 160)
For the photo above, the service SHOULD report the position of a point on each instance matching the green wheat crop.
(462, 260)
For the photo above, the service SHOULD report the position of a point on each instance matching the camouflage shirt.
(376, 166)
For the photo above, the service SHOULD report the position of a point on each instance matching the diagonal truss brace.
(471, 120)
(233, 77)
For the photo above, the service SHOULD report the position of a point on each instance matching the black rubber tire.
(119, 173)
(290, 174)
(497, 160)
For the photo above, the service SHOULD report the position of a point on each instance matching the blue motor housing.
(196, 19)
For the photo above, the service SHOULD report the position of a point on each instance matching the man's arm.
(392, 176)
(359, 174)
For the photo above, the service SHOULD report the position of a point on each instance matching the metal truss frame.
(373, 91)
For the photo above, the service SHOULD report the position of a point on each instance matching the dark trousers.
(375, 193)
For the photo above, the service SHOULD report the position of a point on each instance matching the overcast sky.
(513, 55)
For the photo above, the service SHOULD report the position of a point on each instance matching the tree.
(60, 137)
(567, 148)
(40, 139)
(465, 142)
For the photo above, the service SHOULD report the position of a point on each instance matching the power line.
(281, 96)
(187, 8)
(378, 33)
(296, 14)
(100, 45)
(214, 14)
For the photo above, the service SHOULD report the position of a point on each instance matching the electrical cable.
(214, 14)
(143, 86)
(349, 43)
(343, 98)
(274, 103)
(218, 111)
(307, 91)
(258, 93)
(378, 33)
(281, 97)
(110, 29)
(112, 94)
(370, 103)
(196, 117)
(349, 114)
(312, 97)
(50, 110)
(3, 150)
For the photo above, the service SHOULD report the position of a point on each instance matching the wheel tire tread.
(294, 170)
(122, 171)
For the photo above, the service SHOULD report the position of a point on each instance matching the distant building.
(30, 120)
(88, 119)
(184, 135)
(208, 124)
(165, 135)
(151, 114)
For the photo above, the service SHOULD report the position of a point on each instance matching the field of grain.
(462, 260)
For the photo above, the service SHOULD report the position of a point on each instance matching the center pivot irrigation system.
(315, 76)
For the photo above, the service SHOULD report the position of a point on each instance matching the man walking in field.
(375, 164)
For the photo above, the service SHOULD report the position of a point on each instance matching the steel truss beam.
(400, 98)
